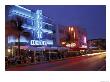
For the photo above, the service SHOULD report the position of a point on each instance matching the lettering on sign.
(38, 42)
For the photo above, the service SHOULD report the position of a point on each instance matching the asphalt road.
(90, 62)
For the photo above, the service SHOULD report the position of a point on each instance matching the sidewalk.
(21, 65)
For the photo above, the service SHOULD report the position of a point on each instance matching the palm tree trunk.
(19, 44)
(6, 45)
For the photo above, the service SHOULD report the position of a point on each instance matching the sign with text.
(38, 42)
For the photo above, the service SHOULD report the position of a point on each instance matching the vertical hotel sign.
(38, 33)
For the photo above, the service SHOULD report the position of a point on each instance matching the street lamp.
(72, 28)
(9, 50)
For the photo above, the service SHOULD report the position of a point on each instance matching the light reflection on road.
(93, 54)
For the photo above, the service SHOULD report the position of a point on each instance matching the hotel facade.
(43, 32)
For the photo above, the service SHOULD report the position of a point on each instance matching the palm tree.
(14, 27)
(10, 30)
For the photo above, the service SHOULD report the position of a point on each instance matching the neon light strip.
(48, 31)
(74, 34)
(21, 14)
(30, 28)
(47, 17)
(47, 23)
(27, 26)
(12, 39)
(23, 8)
(84, 39)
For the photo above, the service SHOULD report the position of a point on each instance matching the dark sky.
(91, 17)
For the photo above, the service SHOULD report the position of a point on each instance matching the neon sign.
(41, 42)
(71, 45)
(84, 39)
(37, 42)
(37, 24)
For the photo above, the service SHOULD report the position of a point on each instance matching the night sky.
(91, 17)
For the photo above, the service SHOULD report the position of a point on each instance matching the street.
(88, 62)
